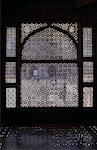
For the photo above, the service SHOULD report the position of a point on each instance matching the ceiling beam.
(81, 3)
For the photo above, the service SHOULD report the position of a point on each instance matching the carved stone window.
(49, 66)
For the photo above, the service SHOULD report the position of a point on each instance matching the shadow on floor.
(51, 138)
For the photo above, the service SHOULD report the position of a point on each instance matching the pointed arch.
(49, 43)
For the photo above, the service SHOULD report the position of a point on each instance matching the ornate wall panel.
(10, 97)
(11, 42)
(49, 44)
(49, 85)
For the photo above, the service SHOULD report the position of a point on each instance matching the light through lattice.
(27, 28)
(49, 44)
(87, 71)
(10, 72)
(88, 97)
(10, 97)
(49, 85)
(72, 28)
(87, 42)
(11, 42)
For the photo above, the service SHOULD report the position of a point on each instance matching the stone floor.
(49, 138)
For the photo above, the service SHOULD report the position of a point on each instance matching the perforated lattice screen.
(10, 72)
(11, 42)
(87, 42)
(10, 97)
(72, 28)
(88, 71)
(49, 44)
(27, 28)
(46, 85)
(88, 97)
(49, 84)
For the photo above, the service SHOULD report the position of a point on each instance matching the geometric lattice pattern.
(10, 72)
(49, 85)
(49, 44)
(87, 71)
(11, 42)
(10, 97)
(27, 28)
(88, 97)
(72, 28)
(87, 42)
